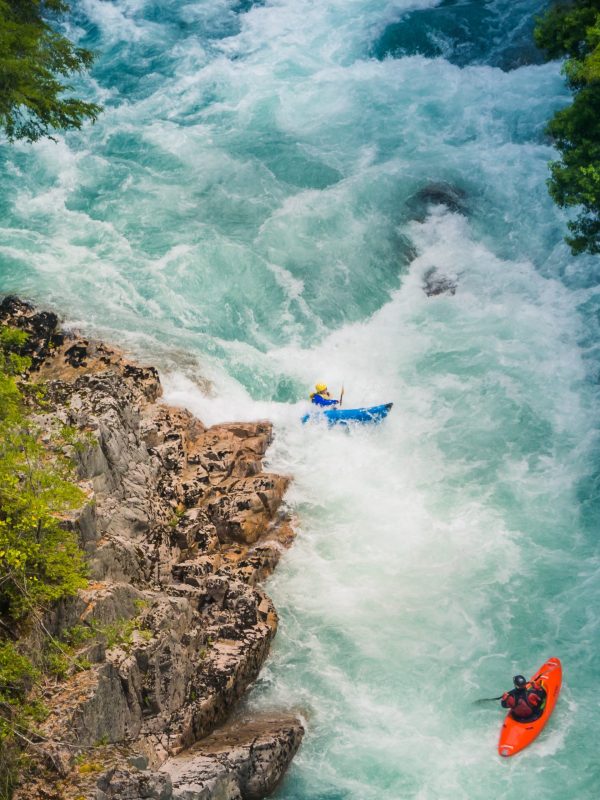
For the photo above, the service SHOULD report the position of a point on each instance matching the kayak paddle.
(488, 699)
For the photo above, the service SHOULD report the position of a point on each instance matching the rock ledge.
(181, 526)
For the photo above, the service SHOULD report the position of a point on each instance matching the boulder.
(244, 760)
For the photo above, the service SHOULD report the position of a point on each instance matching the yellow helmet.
(321, 387)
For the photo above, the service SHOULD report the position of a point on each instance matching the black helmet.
(519, 681)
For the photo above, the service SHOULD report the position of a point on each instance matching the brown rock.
(182, 525)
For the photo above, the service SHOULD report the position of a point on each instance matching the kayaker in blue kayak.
(321, 397)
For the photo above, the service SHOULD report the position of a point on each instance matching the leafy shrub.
(573, 30)
(40, 560)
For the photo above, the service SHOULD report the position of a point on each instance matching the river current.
(256, 210)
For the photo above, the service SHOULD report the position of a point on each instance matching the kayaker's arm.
(318, 400)
(488, 699)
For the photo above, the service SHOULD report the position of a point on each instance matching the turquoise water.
(246, 213)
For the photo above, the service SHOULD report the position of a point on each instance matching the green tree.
(35, 62)
(573, 30)
(40, 561)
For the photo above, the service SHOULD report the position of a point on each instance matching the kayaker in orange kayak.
(526, 701)
(517, 733)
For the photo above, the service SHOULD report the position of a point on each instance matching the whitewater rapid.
(246, 214)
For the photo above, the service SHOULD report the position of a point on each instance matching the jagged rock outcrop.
(181, 526)
(244, 760)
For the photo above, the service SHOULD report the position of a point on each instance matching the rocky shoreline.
(180, 527)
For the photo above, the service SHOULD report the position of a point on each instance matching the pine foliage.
(35, 64)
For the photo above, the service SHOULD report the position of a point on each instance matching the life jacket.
(529, 701)
(522, 709)
(537, 689)
(322, 399)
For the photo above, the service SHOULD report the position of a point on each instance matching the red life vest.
(527, 701)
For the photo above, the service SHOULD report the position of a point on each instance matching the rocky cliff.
(181, 525)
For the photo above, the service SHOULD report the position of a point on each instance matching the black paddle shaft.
(489, 699)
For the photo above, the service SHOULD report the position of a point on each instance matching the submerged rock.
(182, 525)
(434, 283)
(436, 193)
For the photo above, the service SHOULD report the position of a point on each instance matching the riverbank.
(181, 525)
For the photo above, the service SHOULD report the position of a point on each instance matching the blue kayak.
(342, 416)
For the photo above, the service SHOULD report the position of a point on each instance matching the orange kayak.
(515, 736)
